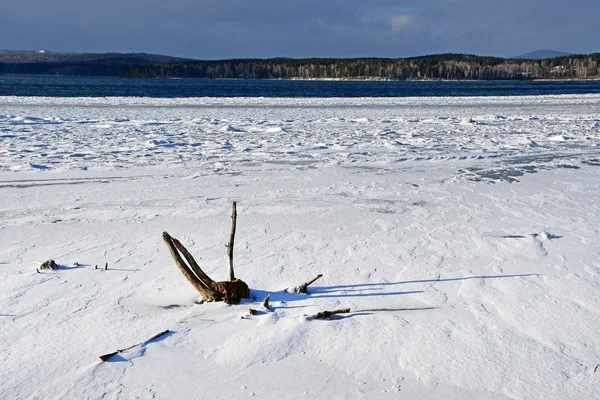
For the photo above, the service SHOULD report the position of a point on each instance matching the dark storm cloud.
(266, 28)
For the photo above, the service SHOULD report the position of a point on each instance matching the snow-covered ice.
(485, 208)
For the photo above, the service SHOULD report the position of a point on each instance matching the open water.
(69, 86)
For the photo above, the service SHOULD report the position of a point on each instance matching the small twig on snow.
(304, 287)
(329, 314)
(105, 357)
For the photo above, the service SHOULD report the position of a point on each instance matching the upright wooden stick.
(230, 272)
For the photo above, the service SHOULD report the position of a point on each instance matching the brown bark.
(227, 291)
(205, 288)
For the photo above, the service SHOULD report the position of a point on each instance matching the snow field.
(494, 222)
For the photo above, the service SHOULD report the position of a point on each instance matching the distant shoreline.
(594, 78)
(438, 67)
(365, 79)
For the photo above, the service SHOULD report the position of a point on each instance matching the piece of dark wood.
(396, 309)
(50, 264)
(304, 287)
(201, 285)
(105, 357)
(329, 314)
(230, 292)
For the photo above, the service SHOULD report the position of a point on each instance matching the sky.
(223, 29)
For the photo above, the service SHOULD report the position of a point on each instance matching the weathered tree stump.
(231, 291)
(228, 292)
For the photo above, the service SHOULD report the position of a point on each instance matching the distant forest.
(434, 67)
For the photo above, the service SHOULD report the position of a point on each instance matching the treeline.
(54, 63)
(62, 68)
(442, 66)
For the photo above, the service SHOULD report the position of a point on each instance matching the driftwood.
(396, 309)
(329, 314)
(230, 291)
(304, 287)
(105, 357)
(50, 264)
(226, 291)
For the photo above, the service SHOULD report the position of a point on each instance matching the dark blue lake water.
(67, 86)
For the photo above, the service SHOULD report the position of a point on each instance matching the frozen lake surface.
(486, 209)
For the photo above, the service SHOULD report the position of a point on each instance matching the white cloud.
(400, 22)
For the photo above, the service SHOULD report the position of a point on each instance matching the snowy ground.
(485, 208)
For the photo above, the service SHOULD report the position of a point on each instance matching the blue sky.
(309, 28)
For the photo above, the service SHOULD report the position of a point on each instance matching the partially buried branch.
(304, 287)
(230, 291)
(329, 314)
(205, 288)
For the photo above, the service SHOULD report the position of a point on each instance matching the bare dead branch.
(396, 309)
(304, 287)
(206, 280)
(230, 272)
(204, 289)
(105, 357)
(329, 314)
